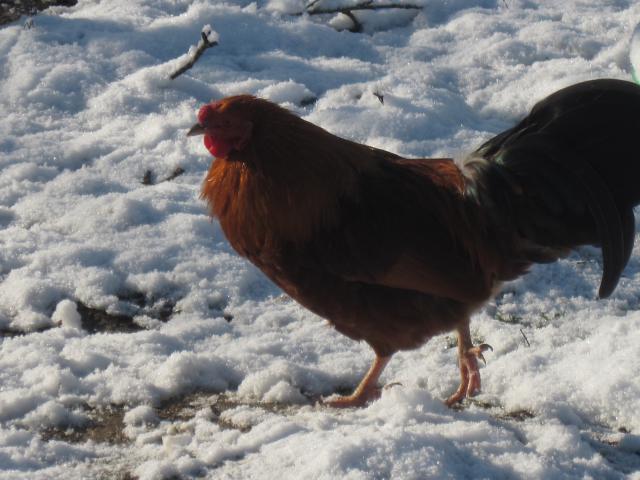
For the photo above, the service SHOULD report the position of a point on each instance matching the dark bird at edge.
(392, 250)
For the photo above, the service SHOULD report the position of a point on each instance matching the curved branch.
(357, 26)
(368, 5)
(204, 43)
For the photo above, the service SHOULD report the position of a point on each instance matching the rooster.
(392, 250)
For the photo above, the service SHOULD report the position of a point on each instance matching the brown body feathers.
(334, 224)
(393, 251)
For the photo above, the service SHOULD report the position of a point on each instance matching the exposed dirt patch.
(516, 415)
(496, 410)
(614, 447)
(9, 333)
(185, 408)
(11, 10)
(95, 320)
(160, 309)
(105, 426)
(618, 446)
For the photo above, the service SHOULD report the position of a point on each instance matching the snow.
(634, 54)
(88, 110)
(212, 35)
(66, 314)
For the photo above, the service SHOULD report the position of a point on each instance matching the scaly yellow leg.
(468, 356)
(367, 390)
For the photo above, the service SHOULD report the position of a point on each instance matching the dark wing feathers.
(396, 232)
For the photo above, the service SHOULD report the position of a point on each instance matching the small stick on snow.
(525, 338)
(176, 173)
(311, 4)
(209, 38)
(311, 9)
(148, 176)
(367, 5)
(147, 179)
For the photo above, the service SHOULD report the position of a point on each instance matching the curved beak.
(197, 129)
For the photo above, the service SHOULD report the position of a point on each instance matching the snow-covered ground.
(221, 378)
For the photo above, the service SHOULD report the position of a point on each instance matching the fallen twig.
(176, 173)
(525, 338)
(357, 26)
(368, 5)
(209, 38)
(311, 4)
(312, 9)
(147, 179)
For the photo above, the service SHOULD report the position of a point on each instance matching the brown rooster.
(393, 251)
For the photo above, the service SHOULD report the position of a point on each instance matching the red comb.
(205, 113)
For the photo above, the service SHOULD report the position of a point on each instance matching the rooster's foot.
(356, 399)
(469, 373)
(366, 391)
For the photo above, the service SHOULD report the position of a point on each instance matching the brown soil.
(11, 10)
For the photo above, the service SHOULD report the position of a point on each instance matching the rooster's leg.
(468, 356)
(366, 391)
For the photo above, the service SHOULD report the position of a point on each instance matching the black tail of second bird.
(568, 174)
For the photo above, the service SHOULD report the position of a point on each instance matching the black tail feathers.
(568, 174)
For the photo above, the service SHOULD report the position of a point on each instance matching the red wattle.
(217, 149)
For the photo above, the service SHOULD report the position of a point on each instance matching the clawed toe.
(357, 399)
(468, 356)
(365, 392)
(477, 351)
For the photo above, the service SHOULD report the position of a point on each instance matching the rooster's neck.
(277, 197)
